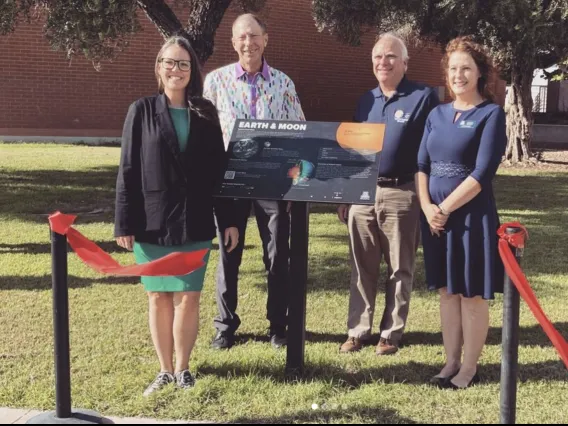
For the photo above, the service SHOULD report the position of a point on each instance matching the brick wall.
(46, 95)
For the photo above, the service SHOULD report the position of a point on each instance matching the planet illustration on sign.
(245, 148)
(302, 172)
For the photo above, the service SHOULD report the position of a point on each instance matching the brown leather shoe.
(353, 344)
(386, 347)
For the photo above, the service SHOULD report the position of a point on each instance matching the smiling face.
(174, 68)
(463, 74)
(389, 64)
(249, 41)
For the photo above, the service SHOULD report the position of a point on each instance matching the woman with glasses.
(172, 157)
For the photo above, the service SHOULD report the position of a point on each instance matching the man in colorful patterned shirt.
(252, 89)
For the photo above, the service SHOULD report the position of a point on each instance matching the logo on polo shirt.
(401, 117)
(467, 124)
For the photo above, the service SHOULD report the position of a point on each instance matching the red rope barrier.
(516, 274)
(174, 264)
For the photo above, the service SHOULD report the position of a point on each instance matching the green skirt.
(144, 252)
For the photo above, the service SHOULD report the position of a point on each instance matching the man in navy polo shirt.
(390, 228)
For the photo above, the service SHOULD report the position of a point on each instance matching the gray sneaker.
(185, 380)
(162, 380)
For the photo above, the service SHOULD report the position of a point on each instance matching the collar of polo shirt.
(401, 89)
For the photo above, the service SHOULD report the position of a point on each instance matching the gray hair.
(252, 16)
(393, 36)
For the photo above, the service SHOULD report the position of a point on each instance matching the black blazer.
(164, 196)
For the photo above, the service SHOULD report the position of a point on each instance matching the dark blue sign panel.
(303, 161)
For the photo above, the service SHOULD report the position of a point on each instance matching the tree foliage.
(521, 35)
(509, 28)
(99, 29)
(559, 74)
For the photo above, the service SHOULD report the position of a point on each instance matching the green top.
(180, 118)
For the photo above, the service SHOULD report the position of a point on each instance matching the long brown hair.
(194, 90)
(484, 62)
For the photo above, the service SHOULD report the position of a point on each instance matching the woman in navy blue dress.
(461, 150)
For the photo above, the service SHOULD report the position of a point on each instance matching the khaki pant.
(389, 229)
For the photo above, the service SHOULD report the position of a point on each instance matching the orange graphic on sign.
(361, 136)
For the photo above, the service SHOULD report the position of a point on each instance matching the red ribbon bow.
(174, 264)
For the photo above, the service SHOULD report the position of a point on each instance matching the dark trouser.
(274, 227)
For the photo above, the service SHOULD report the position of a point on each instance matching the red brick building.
(46, 95)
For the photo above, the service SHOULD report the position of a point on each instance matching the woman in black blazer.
(172, 157)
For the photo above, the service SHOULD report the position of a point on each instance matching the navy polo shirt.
(405, 115)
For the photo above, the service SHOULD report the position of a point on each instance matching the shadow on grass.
(244, 338)
(372, 415)
(332, 273)
(412, 373)
(37, 248)
(108, 246)
(528, 336)
(538, 193)
(541, 149)
(533, 192)
(538, 201)
(32, 195)
(44, 282)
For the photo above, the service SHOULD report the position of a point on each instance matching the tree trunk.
(162, 16)
(204, 18)
(519, 111)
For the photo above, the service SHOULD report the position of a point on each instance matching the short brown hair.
(482, 59)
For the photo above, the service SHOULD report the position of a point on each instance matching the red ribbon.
(174, 264)
(515, 272)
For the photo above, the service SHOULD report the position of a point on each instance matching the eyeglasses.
(170, 64)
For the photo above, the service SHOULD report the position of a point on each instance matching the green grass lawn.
(113, 359)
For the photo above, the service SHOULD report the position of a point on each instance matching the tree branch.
(204, 19)
(162, 16)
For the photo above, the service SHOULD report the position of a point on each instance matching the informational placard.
(303, 161)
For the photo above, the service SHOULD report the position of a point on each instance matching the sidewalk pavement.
(12, 416)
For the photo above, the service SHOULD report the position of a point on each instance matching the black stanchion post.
(299, 235)
(61, 325)
(510, 357)
(63, 413)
